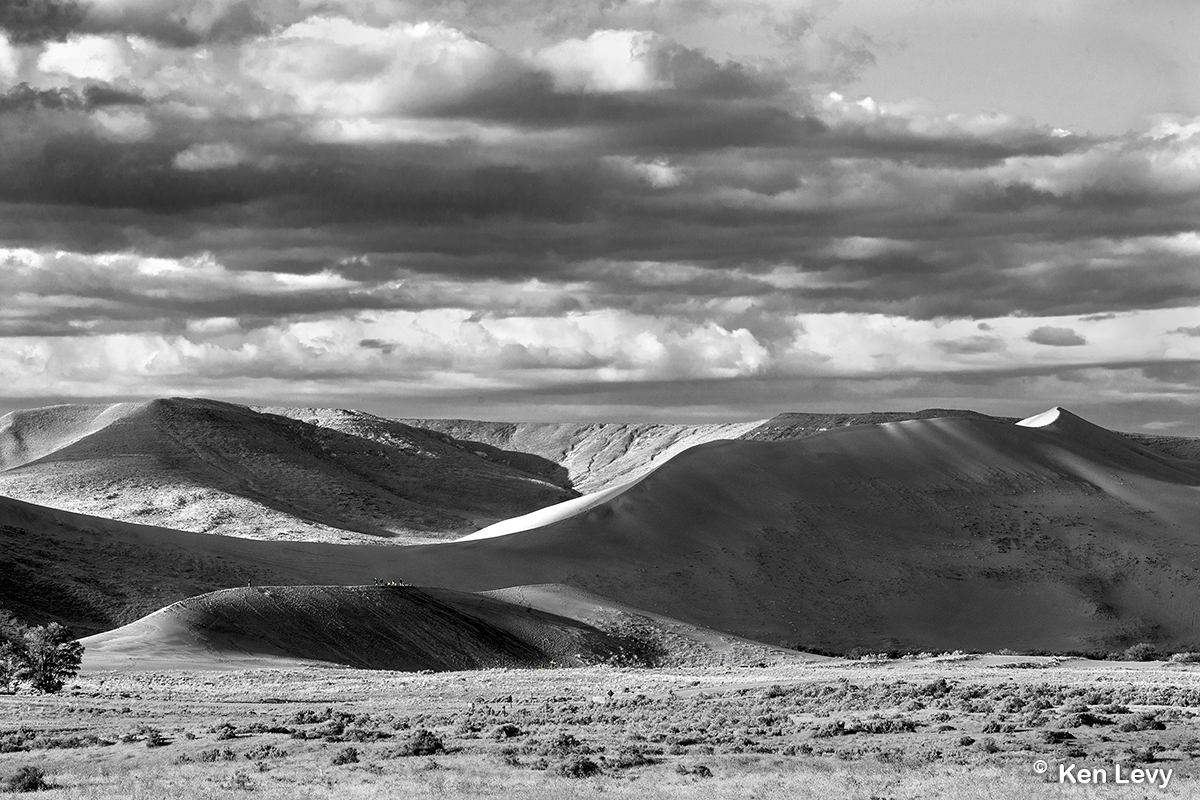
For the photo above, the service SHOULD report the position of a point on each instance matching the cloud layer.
(254, 198)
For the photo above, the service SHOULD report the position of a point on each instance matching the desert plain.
(321, 603)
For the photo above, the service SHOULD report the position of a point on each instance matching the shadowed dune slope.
(214, 467)
(370, 627)
(941, 533)
(930, 534)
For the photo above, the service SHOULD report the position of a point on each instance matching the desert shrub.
(890, 725)
(578, 767)
(1142, 722)
(154, 737)
(965, 741)
(506, 731)
(1142, 651)
(216, 754)
(1056, 737)
(565, 743)
(1185, 658)
(834, 728)
(988, 745)
(423, 743)
(266, 750)
(700, 770)
(347, 755)
(630, 756)
(225, 732)
(1086, 718)
(240, 780)
(26, 779)
(309, 717)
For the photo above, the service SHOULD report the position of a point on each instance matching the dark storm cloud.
(718, 174)
(1055, 337)
(1187, 331)
(24, 98)
(34, 21)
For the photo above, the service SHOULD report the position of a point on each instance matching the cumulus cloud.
(505, 196)
(1055, 337)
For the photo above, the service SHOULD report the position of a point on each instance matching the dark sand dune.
(213, 467)
(408, 628)
(936, 533)
(931, 534)
(369, 627)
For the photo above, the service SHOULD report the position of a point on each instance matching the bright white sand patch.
(1041, 420)
(548, 515)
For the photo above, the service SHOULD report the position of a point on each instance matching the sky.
(678, 210)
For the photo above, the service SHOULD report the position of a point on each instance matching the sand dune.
(369, 627)
(406, 628)
(932, 534)
(596, 456)
(929, 533)
(219, 468)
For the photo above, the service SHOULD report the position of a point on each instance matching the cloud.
(1055, 337)
(971, 345)
(506, 196)
(1193, 330)
(36, 21)
(214, 155)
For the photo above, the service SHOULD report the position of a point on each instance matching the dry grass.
(926, 728)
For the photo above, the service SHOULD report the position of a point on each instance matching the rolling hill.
(405, 628)
(210, 467)
(940, 533)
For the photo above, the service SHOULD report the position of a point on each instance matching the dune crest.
(1041, 420)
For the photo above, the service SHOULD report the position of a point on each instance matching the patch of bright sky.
(1086, 65)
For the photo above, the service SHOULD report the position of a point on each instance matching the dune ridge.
(939, 533)
(220, 468)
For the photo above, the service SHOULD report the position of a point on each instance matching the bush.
(348, 755)
(506, 731)
(26, 779)
(1185, 658)
(1142, 651)
(216, 754)
(423, 743)
(578, 767)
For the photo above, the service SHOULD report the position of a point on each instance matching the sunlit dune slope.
(930, 534)
(370, 627)
(214, 467)
(596, 456)
(944, 533)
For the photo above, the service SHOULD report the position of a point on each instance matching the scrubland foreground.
(953, 726)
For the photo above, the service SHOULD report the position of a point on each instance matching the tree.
(51, 656)
(12, 650)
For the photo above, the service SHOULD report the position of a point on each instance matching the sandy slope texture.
(941, 533)
(213, 467)
(371, 627)
(932, 534)
(408, 628)
(596, 456)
